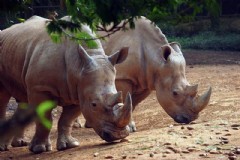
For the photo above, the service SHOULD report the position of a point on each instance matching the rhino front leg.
(4, 98)
(65, 139)
(41, 141)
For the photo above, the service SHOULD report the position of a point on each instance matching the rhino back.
(29, 58)
(144, 42)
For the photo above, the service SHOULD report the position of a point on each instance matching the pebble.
(175, 150)
(214, 151)
(237, 151)
(235, 125)
(139, 153)
(223, 138)
(235, 128)
(203, 154)
(182, 127)
(185, 151)
(124, 156)
(167, 143)
(217, 133)
(190, 128)
(167, 151)
(108, 157)
(228, 134)
(231, 154)
(190, 149)
(96, 154)
(232, 157)
(151, 155)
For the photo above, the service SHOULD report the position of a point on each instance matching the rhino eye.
(175, 93)
(94, 104)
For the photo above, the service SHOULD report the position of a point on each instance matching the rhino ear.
(83, 54)
(119, 56)
(176, 46)
(166, 51)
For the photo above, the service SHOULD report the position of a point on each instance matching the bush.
(209, 41)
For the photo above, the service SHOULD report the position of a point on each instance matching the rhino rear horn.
(83, 54)
(119, 56)
(201, 102)
(116, 98)
(123, 114)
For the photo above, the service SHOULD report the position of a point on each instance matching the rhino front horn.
(202, 101)
(124, 113)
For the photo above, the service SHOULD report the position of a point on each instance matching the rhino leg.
(77, 123)
(65, 139)
(4, 98)
(41, 141)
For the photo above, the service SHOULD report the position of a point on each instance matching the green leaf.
(55, 37)
(41, 111)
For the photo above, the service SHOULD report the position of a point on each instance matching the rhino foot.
(87, 125)
(3, 147)
(131, 127)
(77, 123)
(37, 147)
(19, 142)
(66, 142)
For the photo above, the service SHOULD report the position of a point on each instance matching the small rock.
(108, 157)
(164, 155)
(151, 155)
(193, 122)
(167, 151)
(232, 157)
(185, 151)
(175, 150)
(182, 127)
(214, 151)
(217, 133)
(96, 154)
(207, 124)
(124, 156)
(205, 144)
(170, 126)
(190, 149)
(203, 154)
(228, 134)
(223, 138)
(235, 128)
(237, 151)
(167, 143)
(185, 137)
(235, 125)
(190, 128)
(224, 142)
(139, 153)
(231, 154)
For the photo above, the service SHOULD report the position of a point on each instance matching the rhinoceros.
(155, 64)
(33, 69)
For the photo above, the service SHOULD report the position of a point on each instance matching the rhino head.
(101, 104)
(178, 98)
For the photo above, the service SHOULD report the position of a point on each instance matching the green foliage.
(210, 41)
(41, 111)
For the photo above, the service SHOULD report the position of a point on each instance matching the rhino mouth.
(111, 134)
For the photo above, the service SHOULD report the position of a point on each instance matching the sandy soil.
(214, 135)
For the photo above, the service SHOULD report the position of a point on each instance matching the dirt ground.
(214, 135)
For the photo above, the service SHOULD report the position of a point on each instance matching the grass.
(209, 41)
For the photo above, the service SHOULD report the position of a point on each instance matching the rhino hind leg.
(65, 139)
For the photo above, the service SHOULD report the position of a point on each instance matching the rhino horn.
(201, 102)
(192, 90)
(83, 54)
(123, 112)
(116, 98)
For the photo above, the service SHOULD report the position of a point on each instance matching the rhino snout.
(183, 119)
(112, 136)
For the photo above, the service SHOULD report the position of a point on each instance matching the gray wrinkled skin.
(33, 69)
